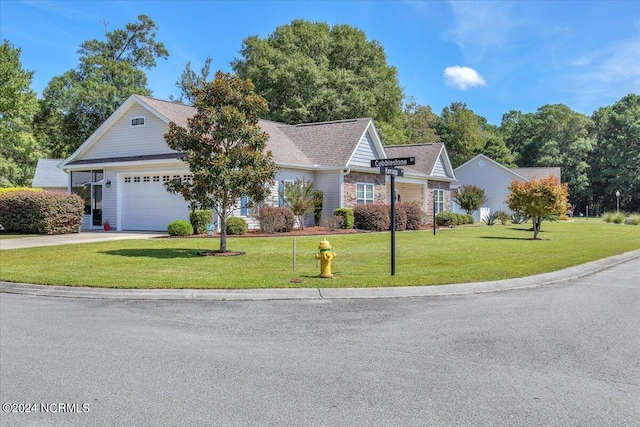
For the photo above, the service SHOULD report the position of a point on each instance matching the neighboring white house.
(49, 177)
(122, 166)
(495, 179)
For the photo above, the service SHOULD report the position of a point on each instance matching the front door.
(96, 205)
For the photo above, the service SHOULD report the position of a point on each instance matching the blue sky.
(494, 56)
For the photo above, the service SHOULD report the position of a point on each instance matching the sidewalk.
(73, 238)
(565, 275)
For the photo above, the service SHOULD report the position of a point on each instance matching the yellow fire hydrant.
(325, 256)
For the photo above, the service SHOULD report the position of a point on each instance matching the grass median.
(458, 255)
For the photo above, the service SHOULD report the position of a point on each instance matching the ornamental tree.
(299, 197)
(470, 198)
(538, 199)
(224, 148)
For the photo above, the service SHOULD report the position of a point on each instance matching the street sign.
(392, 171)
(398, 161)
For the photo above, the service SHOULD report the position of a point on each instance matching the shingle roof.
(164, 156)
(328, 143)
(539, 173)
(426, 156)
(306, 144)
(48, 175)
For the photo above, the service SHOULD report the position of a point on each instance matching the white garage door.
(147, 205)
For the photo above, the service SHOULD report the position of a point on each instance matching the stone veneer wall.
(437, 185)
(350, 181)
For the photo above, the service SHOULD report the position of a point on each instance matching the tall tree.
(19, 150)
(224, 147)
(554, 136)
(311, 72)
(189, 80)
(616, 155)
(538, 199)
(460, 131)
(421, 123)
(76, 103)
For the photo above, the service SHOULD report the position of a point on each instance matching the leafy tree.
(224, 148)
(554, 136)
(460, 131)
(616, 156)
(298, 196)
(76, 103)
(538, 199)
(311, 72)
(189, 80)
(19, 150)
(470, 198)
(421, 123)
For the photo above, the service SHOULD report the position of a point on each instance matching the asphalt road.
(559, 355)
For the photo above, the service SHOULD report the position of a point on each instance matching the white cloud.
(463, 77)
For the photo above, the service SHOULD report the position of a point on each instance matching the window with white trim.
(438, 200)
(136, 179)
(137, 121)
(127, 179)
(364, 193)
(165, 178)
(156, 179)
(145, 179)
(244, 206)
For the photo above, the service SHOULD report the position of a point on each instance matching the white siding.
(123, 140)
(329, 183)
(365, 152)
(490, 177)
(440, 169)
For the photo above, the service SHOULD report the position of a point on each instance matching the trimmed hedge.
(41, 212)
(401, 217)
(274, 219)
(371, 217)
(414, 215)
(446, 219)
(180, 227)
(200, 219)
(347, 217)
(5, 190)
(236, 226)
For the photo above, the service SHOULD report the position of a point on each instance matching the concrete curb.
(545, 279)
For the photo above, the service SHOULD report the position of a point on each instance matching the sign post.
(390, 167)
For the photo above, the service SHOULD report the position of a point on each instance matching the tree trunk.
(536, 226)
(223, 234)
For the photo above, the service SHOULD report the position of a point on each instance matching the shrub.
(446, 219)
(401, 217)
(41, 212)
(608, 216)
(332, 222)
(489, 219)
(461, 219)
(347, 216)
(414, 215)
(371, 217)
(517, 218)
(470, 219)
(274, 219)
(5, 190)
(180, 227)
(634, 219)
(200, 219)
(502, 216)
(563, 217)
(236, 226)
(619, 218)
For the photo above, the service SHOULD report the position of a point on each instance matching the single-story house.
(49, 176)
(495, 179)
(120, 169)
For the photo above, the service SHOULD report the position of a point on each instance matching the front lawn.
(459, 255)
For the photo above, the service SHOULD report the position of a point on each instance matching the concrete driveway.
(67, 239)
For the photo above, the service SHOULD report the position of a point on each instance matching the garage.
(148, 206)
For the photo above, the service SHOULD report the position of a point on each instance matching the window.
(136, 179)
(127, 179)
(280, 193)
(165, 178)
(364, 194)
(137, 121)
(156, 179)
(244, 206)
(145, 179)
(438, 200)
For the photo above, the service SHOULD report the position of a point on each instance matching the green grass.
(459, 255)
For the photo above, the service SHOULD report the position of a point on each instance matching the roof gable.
(432, 159)
(481, 157)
